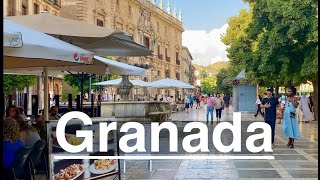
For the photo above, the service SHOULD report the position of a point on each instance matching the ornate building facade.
(28, 7)
(149, 24)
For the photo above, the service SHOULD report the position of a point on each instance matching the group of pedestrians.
(192, 101)
(289, 104)
(218, 104)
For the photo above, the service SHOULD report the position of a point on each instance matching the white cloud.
(206, 47)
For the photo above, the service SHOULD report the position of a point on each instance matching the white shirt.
(258, 101)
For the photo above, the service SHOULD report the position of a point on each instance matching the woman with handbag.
(290, 122)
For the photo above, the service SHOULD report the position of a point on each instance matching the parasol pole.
(46, 94)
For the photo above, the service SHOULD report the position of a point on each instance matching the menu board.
(76, 169)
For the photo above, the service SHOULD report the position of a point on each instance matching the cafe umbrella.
(100, 66)
(102, 41)
(41, 51)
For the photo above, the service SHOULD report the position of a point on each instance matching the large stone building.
(155, 26)
(30, 7)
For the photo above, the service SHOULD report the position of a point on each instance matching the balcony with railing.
(160, 56)
(177, 61)
(168, 59)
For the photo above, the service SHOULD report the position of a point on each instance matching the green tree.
(286, 48)
(11, 83)
(238, 49)
(209, 84)
(67, 89)
(203, 74)
(74, 80)
(222, 87)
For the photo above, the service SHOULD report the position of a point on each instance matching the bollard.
(35, 105)
(92, 105)
(78, 103)
(25, 103)
(70, 103)
(56, 100)
(99, 105)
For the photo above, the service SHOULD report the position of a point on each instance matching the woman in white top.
(218, 104)
(258, 103)
(304, 106)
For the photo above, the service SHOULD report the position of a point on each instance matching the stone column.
(124, 88)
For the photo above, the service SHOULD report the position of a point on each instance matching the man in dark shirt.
(226, 100)
(270, 115)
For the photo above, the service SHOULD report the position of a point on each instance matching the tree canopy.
(12, 83)
(209, 84)
(276, 42)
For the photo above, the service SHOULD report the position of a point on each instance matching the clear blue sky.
(206, 14)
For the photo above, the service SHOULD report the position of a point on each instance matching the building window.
(167, 74)
(118, 2)
(36, 8)
(24, 10)
(57, 3)
(130, 10)
(178, 76)
(165, 29)
(159, 73)
(145, 41)
(100, 22)
(158, 27)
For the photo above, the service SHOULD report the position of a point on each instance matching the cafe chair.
(39, 158)
(22, 164)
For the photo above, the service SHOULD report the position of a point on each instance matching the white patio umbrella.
(116, 82)
(11, 38)
(170, 83)
(100, 66)
(42, 51)
(100, 40)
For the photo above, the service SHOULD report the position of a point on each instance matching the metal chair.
(39, 158)
(22, 164)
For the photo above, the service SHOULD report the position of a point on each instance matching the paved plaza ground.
(298, 163)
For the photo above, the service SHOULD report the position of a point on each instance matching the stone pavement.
(298, 163)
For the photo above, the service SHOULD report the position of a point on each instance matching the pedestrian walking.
(231, 101)
(270, 115)
(187, 103)
(203, 100)
(304, 106)
(280, 109)
(258, 104)
(226, 100)
(198, 102)
(210, 108)
(218, 105)
(191, 100)
(290, 123)
(311, 102)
